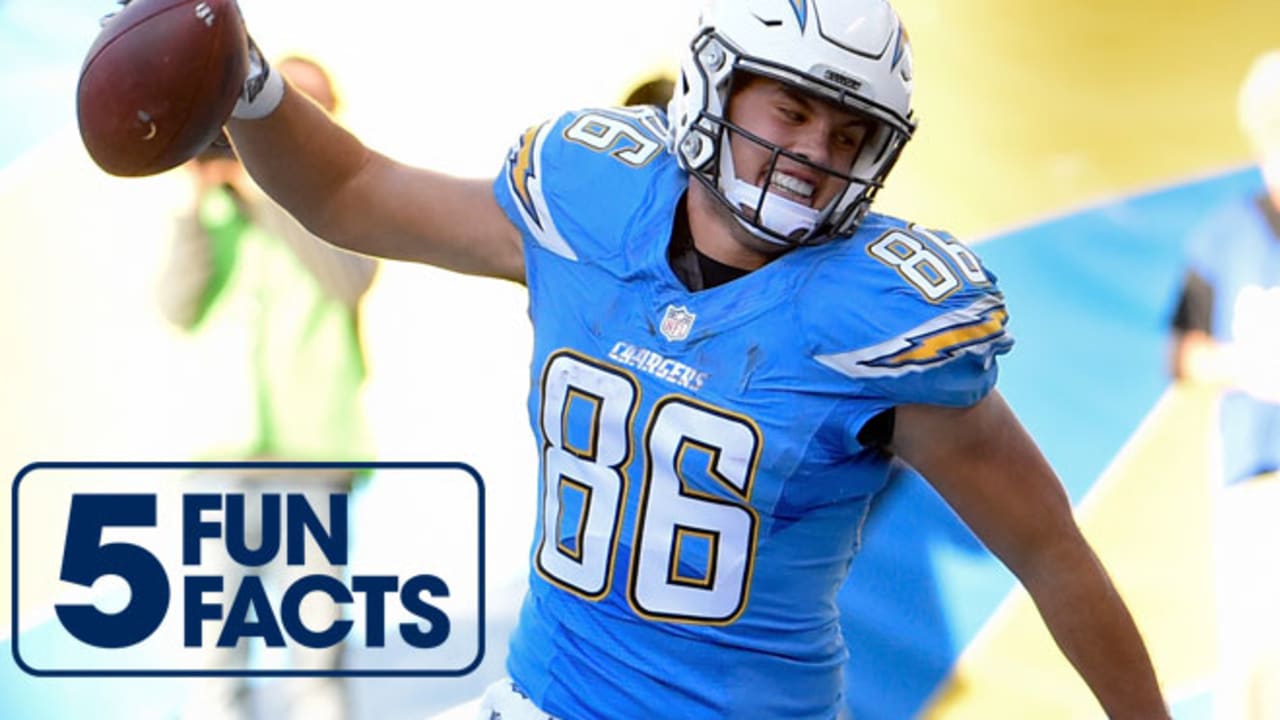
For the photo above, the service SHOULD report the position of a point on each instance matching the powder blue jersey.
(702, 486)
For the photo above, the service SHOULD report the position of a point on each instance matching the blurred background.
(1076, 143)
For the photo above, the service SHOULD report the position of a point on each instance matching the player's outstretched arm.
(361, 200)
(986, 466)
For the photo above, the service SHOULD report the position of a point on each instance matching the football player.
(729, 349)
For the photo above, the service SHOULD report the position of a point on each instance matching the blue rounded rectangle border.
(149, 569)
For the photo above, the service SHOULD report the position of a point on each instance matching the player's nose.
(813, 142)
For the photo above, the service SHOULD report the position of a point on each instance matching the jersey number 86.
(676, 528)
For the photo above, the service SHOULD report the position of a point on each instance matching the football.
(158, 83)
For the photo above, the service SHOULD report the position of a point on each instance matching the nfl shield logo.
(677, 323)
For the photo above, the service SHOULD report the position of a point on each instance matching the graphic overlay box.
(159, 565)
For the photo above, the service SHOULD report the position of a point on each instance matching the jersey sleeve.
(571, 185)
(886, 342)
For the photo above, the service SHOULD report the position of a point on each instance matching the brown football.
(159, 82)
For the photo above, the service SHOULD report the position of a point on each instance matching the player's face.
(821, 132)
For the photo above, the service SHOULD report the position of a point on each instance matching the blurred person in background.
(1226, 336)
(284, 306)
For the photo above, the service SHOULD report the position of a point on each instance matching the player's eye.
(791, 114)
(850, 140)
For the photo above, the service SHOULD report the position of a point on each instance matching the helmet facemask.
(703, 132)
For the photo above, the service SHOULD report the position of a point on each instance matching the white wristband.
(261, 101)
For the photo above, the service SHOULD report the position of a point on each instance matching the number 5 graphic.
(85, 559)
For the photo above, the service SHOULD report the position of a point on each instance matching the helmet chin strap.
(781, 215)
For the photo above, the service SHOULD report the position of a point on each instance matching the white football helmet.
(853, 53)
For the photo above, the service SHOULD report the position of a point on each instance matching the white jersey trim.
(524, 181)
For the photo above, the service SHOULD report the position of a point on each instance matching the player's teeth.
(793, 184)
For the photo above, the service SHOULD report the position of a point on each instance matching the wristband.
(262, 95)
